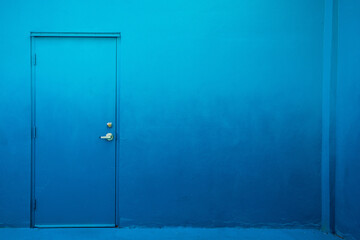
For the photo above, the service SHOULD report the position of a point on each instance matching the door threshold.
(76, 226)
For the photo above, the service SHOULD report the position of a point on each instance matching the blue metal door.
(74, 105)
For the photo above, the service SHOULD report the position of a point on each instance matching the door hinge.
(34, 59)
(35, 204)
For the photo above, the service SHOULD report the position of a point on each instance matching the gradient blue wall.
(220, 108)
(348, 119)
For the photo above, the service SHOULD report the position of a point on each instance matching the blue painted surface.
(348, 119)
(74, 170)
(329, 117)
(165, 233)
(220, 114)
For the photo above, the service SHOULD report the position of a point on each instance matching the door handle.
(108, 136)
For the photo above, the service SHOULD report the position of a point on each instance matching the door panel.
(75, 93)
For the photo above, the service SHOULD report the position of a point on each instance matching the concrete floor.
(164, 233)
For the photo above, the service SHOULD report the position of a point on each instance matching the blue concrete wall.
(348, 119)
(220, 108)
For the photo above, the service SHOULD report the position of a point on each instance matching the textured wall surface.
(348, 118)
(220, 108)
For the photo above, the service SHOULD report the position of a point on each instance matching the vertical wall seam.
(328, 117)
(333, 89)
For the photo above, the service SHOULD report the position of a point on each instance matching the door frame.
(33, 35)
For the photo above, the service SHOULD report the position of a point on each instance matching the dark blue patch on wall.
(348, 119)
